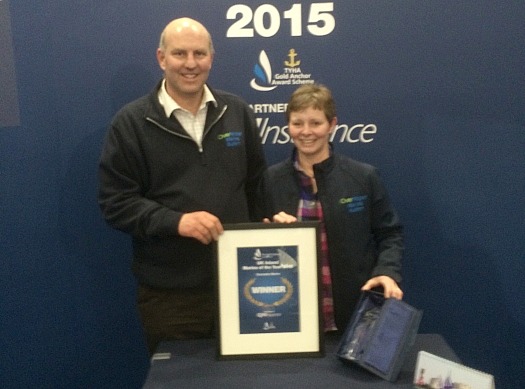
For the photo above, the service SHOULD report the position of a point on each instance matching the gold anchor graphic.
(292, 63)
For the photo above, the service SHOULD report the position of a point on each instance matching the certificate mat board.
(268, 301)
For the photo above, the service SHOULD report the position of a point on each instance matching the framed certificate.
(268, 291)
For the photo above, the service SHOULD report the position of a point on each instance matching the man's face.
(186, 60)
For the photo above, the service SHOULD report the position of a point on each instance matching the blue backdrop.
(431, 92)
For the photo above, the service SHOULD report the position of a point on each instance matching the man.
(176, 164)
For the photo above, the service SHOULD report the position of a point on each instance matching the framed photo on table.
(268, 291)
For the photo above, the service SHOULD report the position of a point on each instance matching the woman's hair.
(316, 96)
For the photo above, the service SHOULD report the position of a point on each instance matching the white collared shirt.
(192, 124)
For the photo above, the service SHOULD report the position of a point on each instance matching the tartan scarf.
(309, 208)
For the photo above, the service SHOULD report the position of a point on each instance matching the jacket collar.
(155, 110)
(321, 167)
(170, 105)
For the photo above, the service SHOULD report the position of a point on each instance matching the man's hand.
(200, 225)
(390, 287)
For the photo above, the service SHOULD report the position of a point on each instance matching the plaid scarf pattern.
(310, 209)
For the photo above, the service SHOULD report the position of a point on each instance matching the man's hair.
(162, 42)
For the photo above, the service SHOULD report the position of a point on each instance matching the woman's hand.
(390, 287)
(281, 217)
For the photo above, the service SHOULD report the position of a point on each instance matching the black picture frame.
(268, 291)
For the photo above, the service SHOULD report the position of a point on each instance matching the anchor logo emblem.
(292, 63)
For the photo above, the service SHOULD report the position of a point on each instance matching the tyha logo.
(263, 74)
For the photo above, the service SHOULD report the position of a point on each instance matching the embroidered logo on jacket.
(354, 204)
(232, 138)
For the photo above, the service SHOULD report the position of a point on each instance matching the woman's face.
(310, 131)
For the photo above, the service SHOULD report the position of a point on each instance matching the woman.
(361, 236)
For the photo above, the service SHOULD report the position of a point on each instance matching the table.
(193, 364)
